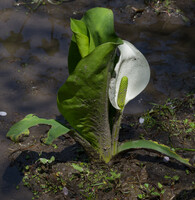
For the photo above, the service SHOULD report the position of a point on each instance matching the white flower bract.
(135, 67)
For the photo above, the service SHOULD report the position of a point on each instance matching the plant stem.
(115, 131)
(105, 140)
(92, 153)
(118, 116)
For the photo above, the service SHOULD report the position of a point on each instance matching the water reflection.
(15, 41)
(51, 47)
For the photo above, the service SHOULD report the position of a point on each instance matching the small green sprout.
(150, 191)
(187, 172)
(47, 161)
(173, 179)
(77, 167)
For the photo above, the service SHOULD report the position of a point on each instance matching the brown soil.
(137, 174)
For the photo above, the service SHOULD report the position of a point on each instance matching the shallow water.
(33, 65)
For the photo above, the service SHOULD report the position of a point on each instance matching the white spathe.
(135, 67)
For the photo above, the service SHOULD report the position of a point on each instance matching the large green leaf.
(148, 144)
(21, 128)
(100, 24)
(83, 99)
(95, 28)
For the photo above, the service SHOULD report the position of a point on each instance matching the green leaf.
(140, 196)
(176, 178)
(95, 28)
(148, 144)
(155, 193)
(21, 128)
(77, 167)
(45, 160)
(167, 177)
(74, 56)
(160, 186)
(51, 159)
(100, 24)
(83, 99)
(146, 185)
(79, 29)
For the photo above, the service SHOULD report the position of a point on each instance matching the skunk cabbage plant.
(105, 73)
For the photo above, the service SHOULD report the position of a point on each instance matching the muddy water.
(33, 64)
